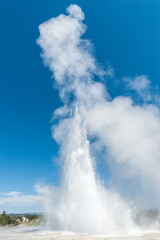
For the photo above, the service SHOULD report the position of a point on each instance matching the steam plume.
(130, 134)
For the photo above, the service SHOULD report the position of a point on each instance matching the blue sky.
(125, 34)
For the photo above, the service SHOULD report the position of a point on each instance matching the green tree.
(5, 219)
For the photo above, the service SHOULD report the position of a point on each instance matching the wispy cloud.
(141, 84)
(19, 199)
(11, 194)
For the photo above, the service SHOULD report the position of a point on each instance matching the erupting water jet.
(81, 203)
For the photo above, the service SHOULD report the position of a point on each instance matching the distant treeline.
(17, 219)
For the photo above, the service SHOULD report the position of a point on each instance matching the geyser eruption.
(81, 203)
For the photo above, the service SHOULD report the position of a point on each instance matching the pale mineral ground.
(38, 233)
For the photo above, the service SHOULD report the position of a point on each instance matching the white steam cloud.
(140, 84)
(130, 134)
